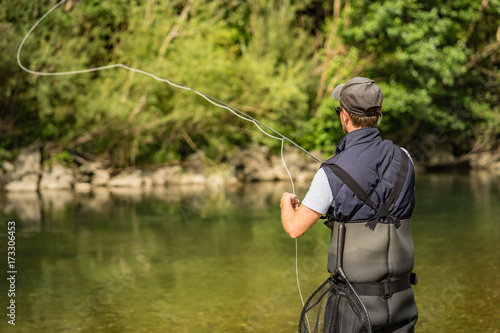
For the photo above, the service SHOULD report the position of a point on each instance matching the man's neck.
(350, 128)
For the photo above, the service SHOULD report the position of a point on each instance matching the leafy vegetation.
(436, 62)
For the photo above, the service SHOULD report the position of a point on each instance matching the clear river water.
(218, 260)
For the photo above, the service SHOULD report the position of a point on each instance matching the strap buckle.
(386, 294)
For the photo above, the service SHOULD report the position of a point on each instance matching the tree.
(256, 63)
(436, 62)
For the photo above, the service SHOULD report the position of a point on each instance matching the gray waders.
(378, 256)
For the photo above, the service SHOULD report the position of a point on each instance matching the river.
(212, 260)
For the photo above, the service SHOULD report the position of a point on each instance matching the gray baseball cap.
(360, 96)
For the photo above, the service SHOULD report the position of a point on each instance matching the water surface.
(212, 260)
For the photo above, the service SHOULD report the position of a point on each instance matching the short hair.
(366, 121)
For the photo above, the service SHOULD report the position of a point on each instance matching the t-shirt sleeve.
(319, 197)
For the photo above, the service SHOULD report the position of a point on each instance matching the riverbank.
(30, 172)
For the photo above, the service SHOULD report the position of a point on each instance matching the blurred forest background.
(437, 63)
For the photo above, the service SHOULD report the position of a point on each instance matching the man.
(369, 186)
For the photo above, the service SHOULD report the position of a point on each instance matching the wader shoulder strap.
(384, 209)
(351, 184)
(400, 180)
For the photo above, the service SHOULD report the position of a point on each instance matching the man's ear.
(347, 116)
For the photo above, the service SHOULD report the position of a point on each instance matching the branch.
(81, 139)
(174, 31)
(410, 132)
(484, 53)
(329, 52)
(138, 107)
(487, 71)
(472, 25)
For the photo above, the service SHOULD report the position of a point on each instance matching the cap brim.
(336, 92)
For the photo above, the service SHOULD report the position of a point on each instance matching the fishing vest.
(372, 181)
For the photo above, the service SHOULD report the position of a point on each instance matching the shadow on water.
(209, 260)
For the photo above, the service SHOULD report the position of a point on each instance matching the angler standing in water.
(368, 186)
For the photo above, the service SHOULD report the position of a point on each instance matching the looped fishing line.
(210, 99)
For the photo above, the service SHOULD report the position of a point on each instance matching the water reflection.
(457, 242)
(53, 207)
(26, 206)
(193, 259)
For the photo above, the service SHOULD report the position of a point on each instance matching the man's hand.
(296, 220)
(289, 199)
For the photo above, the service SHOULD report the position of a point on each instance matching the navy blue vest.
(369, 160)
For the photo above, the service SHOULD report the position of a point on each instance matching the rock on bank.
(29, 172)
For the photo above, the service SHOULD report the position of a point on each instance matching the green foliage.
(62, 158)
(436, 62)
(424, 57)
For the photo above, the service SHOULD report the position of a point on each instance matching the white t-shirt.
(319, 197)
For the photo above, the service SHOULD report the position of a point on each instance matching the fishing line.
(209, 98)
(240, 114)
(296, 242)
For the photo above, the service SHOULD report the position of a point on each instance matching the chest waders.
(378, 253)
